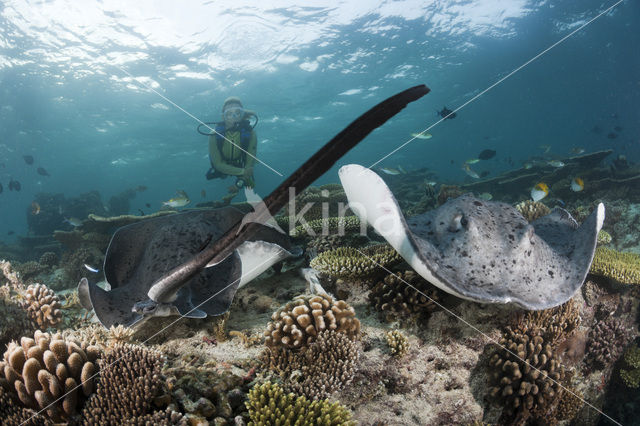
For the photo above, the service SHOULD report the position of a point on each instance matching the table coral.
(619, 266)
(47, 367)
(349, 262)
(328, 226)
(298, 323)
(269, 405)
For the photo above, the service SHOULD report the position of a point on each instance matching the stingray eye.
(457, 222)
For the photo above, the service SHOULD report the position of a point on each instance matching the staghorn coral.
(119, 334)
(397, 342)
(298, 323)
(619, 266)
(45, 368)
(526, 389)
(269, 405)
(630, 374)
(553, 324)
(29, 270)
(393, 297)
(42, 306)
(12, 413)
(348, 262)
(532, 210)
(569, 403)
(327, 365)
(606, 341)
(129, 381)
(328, 226)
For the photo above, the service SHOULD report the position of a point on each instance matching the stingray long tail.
(306, 174)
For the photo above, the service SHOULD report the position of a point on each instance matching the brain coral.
(298, 323)
(348, 262)
(42, 305)
(44, 368)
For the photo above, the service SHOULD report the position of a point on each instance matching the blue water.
(66, 97)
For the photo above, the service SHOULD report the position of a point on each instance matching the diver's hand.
(247, 177)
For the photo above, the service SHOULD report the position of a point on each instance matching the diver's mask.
(234, 114)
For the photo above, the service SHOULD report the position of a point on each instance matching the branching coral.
(49, 259)
(532, 210)
(604, 237)
(298, 323)
(395, 298)
(630, 373)
(12, 413)
(606, 341)
(348, 262)
(398, 343)
(528, 377)
(619, 266)
(328, 226)
(43, 369)
(19, 323)
(325, 366)
(269, 405)
(129, 381)
(553, 324)
(42, 306)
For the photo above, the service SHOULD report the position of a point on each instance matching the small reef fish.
(390, 171)
(485, 196)
(28, 159)
(147, 205)
(577, 184)
(91, 268)
(35, 208)
(180, 201)
(14, 185)
(487, 154)
(527, 165)
(472, 161)
(539, 191)
(447, 113)
(203, 193)
(73, 221)
(401, 170)
(555, 163)
(470, 172)
(544, 148)
(42, 172)
(577, 150)
(423, 136)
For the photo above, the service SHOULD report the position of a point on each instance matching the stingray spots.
(550, 272)
(511, 237)
(477, 203)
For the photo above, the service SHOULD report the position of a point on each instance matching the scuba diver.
(233, 147)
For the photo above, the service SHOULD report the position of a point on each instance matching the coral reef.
(553, 324)
(327, 365)
(269, 405)
(49, 259)
(348, 262)
(12, 413)
(73, 260)
(45, 368)
(29, 270)
(75, 240)
(449, 191)
(604, 237)
(606, 342)
(397, 342)
(129, 382)
(322, 243)
(298, 323)
(328, 226)
(527, 379)
(397, 300)
(42, 306)
(532, 210)
(630, 373)
(19, 323)
(615, 265)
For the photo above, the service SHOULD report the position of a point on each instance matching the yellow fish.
(180, 201)
(472, 160)
(577, 184)
(470, 172)
(539, 191)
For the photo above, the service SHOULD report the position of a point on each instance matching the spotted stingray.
(481, 250)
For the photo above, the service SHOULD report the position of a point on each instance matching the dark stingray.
(28, 159)
(141, 253)
(447, 113)
(217, 243)
(482, 250)
(487, 154)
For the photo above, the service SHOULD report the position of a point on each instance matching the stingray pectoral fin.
(111, 307)
(372, 201)
(257, 257)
